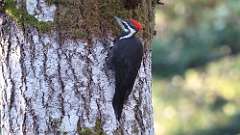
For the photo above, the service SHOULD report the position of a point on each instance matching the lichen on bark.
(21, 16)
(84, 18)
(97, 130)
(55, 87)
(88, 18)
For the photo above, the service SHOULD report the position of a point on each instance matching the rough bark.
(52, 86)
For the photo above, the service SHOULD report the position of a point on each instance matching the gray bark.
(52, 87)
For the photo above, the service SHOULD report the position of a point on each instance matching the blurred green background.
(196, 68)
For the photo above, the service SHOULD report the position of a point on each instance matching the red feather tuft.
(136, 24)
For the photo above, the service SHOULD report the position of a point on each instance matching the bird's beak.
(120, 23)
(117, 18)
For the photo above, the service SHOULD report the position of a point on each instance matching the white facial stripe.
(126, 24)
(131, 32)
(120, 23)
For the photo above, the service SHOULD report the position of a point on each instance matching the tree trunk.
(54, 75)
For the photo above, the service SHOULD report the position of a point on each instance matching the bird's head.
(129, 25)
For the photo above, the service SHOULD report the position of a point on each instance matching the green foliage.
(195, 33)
(192, 94)
(202, 102)
(22, 17)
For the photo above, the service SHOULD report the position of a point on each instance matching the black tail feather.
(124, 85)
(118, 107)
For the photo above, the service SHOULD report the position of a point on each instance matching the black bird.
(127, 57)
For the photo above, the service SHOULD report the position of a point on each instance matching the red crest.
(136, 24)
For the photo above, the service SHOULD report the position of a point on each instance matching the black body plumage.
(127, 57)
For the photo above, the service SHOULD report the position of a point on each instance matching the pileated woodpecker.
(127, 57)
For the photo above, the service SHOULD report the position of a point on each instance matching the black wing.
(127, 61)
